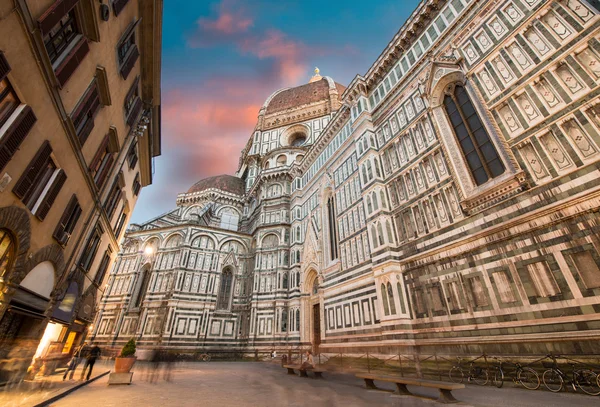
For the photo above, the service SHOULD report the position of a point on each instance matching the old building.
(445, 200)
(79, 127)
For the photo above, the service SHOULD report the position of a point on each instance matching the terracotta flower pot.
(124, 365)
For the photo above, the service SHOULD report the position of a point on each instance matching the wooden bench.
(401, 383)
(316, 371)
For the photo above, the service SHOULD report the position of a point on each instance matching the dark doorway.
(316, 327)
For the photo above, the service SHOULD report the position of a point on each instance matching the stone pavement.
(228, 384)
(31, 393)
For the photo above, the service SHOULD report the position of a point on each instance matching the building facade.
(79, 127)
(445, 200)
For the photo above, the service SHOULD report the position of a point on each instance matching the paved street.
(225, 384)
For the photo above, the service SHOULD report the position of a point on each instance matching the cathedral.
(448, 199)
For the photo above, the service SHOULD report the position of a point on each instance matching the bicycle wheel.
(480, 376)
(587, 381)
(456, 374)
(552, 380)
(499, 378)
(206, 358)
(528, 378)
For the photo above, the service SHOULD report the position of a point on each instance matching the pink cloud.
(228, 25)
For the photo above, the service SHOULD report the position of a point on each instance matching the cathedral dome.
(226, 183)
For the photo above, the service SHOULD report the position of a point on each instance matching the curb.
(69, 391)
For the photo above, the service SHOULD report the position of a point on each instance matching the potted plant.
(125, 361)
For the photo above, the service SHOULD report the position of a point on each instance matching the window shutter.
(54, 14)
(134, 54)
(15, 135)
(72, 211)
(71, 62)
(105, 171)
(118, 6)
(25, 183)
(51, 195)
(98, 156)
(4, 66)
(135, 112)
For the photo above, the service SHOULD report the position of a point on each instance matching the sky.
(222, 59)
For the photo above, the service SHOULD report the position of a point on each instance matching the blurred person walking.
(94, 354)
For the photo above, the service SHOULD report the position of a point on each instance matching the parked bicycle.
(205, 357)
(584, 379)
(474, 373)
(524, 376)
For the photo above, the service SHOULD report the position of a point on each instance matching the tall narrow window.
(67, 223)
(143, 288)
(332, 230)
(89, 253)
(384, 300)
(400, 297)
(478, 150)
(391, 299)
(225, 290)
(7, 251)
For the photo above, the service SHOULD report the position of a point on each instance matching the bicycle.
(475, 373)
(205, 357)
(554, 378)
(524, 376)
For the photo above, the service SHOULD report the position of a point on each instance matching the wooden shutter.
(4, 66)
(129, 63)
(54, 14)
(73, 211)
(24, 184)
(71, 62)
(16, 133)
(51, 195)
(135, 112)
(99, 154)
(105, 171)
(118, 6)
(86, 103)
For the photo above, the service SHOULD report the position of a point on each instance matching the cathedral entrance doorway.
(316, 327)
(312, 311)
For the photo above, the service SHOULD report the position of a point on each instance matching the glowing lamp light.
(148, 250)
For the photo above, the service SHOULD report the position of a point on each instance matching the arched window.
(380, 233)
(285, 280)
(375, 204)
(297, 233)
(333, 243)
(360, 148)
(391, 299)
(369, 205)
(389, 231)
(377, 168)
(298, 277)
(297, 320)
(374, 234)
(384, 300)
(267, 165)
(281, 160)
(369, 170)
(315, 286)
(478, 150)
(225, 289)
(364, 173)
(382, 195)
(400, 297)
(284, 320)
(299, 157)
(7, 251)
